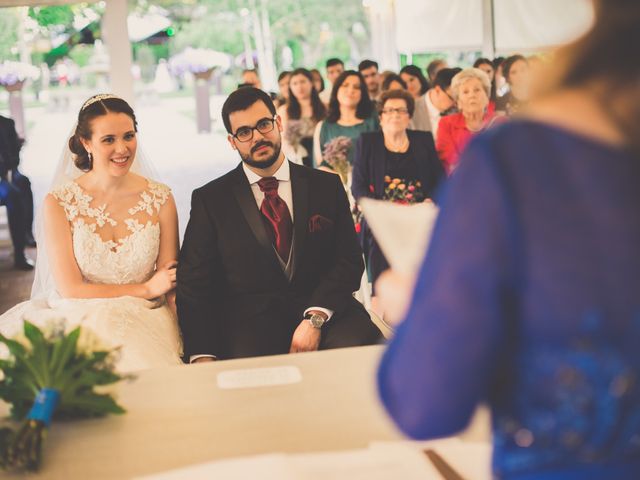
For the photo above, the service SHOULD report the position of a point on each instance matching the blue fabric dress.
(529, 300)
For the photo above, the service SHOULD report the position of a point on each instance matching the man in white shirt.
(334, 67)
(369, 71)
(270, 258)
(438, 99)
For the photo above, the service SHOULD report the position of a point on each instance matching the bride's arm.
(69, 281)
(169, 242)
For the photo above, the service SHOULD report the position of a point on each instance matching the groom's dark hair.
(242, 99)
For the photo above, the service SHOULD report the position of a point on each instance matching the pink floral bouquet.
(335, 155)
(401, 191)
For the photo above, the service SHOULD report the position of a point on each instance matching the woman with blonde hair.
(471, 89)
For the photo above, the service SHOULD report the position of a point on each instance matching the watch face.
(317, 320)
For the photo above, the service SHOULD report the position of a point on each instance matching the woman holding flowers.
(350, 114)
(108, 243)
(395, 164)
(300, 115)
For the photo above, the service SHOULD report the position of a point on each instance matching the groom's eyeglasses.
(265, 125)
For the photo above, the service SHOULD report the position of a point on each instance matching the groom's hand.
(306, 338)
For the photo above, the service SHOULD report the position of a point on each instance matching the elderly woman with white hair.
(471, 89)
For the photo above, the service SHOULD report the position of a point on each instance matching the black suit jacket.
(369, 164)
(234, 300)
(9, 146)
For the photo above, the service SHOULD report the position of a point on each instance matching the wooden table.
(178, 416)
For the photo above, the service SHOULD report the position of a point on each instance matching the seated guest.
(498, 78)
(438, 98)
(300, 117)
(471, 89)
(393, 164)
(283, 87)
(250, 78)
(318, 81)
(516, 73)
(528, 296)
(350, 114)
(417, 86)
(15, 194)
(334, 68)
(369, 71)
(393, 81)
(434, 67)
(486, 66)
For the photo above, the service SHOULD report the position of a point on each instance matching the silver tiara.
(98, 98)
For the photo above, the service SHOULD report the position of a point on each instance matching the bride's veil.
(66, 171)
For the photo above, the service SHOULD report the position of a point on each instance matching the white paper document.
(367, 464)
(402, 231)
(259, 377)
(400, 462)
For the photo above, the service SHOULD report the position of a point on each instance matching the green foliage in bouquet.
(48, 364)
(57, 363)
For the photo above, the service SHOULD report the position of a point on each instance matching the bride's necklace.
(397, 148)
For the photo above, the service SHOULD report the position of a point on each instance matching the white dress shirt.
(283, 175)
(434, 114)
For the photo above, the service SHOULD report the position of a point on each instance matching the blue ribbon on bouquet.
(44, 406)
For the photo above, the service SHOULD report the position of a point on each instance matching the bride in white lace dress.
(111, 243)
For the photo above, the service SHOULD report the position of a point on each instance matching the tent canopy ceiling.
(519, 25)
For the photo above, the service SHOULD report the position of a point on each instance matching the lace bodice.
(129, 259)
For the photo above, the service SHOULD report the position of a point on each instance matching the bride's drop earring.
(90, 158)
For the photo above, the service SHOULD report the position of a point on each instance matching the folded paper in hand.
(402, 231)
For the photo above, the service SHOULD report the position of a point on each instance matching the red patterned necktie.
(277, 213)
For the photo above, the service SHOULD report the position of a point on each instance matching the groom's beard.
(266, 163)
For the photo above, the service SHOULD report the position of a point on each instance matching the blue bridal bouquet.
(49, 375)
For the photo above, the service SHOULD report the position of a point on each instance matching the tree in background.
(8, 33)
(312, 30)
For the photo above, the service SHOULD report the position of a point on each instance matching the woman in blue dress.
(529, 296)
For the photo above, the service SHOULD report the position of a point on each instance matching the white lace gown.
(146, 331)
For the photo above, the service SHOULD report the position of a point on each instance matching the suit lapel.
(300, 194)
(246, 200)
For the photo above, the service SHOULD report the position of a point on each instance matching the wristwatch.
(316, 319)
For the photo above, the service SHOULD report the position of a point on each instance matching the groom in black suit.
(270, 258)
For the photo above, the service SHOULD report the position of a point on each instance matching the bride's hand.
(162, 281)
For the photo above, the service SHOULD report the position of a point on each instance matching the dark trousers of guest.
(12, 198)
(23, 184)
(375, 260)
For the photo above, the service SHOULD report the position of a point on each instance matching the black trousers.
(18, 198)
(352, 328)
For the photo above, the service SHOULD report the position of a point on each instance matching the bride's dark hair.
(96, 106)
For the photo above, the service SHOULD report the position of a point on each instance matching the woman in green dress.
(350, 113)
